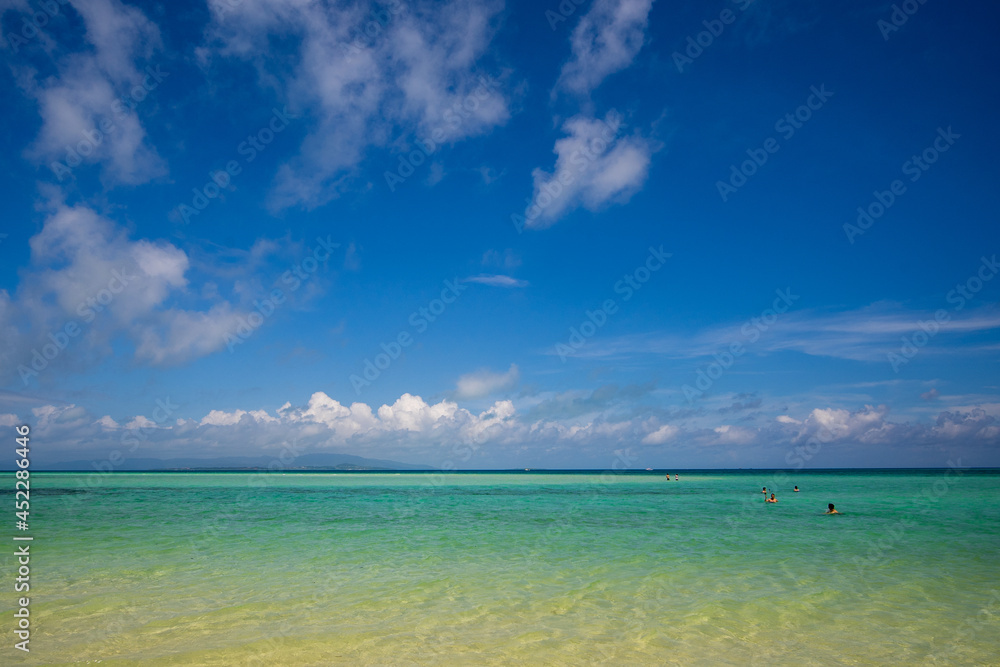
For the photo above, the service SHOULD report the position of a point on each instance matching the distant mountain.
(304, 462)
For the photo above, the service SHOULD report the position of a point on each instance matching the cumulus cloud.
(86, 272)
(412, 75)
(595, 166)
(222, 418)
(829, 424)
(86, 95)
(411, 429)
(107, 422)
(483, 383)
(606, 40)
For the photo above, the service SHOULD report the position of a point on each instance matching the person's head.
(772, 496)
(830, 506)
(796, 488)
(764, 488)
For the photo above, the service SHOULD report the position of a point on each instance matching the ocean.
(512, 568)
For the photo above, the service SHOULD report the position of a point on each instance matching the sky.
(485, 234)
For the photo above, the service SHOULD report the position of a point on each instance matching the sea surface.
(528, 568)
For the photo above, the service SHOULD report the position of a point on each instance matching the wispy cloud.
(401, 84)
(596, 165)
(83, 116)
(864, 334)
(606, 40)
(485, 382)
(496, 281)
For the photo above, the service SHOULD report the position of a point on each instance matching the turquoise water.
(498, 569)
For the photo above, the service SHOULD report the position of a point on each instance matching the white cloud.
(411, 413)
(87, 92)
(496, 281)
(785, 419)
(222, 418)
(405, 81)
(410, 429)
(483, 383)
(830, 424)
(594, 167)
(606, 40)
(344, 421)
(734, 435)
(661, 435)
(107, 422)
(86, 271)
(141, 422)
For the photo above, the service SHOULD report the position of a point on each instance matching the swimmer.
(668, 476)
(831, 510)
(677, 478)
(796, 489)
(772, 499)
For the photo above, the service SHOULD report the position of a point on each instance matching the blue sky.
(488, 234)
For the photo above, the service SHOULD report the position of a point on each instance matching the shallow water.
(496, 569)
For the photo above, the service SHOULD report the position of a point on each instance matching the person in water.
(832, 510)
(796, 489)
(764, 490)
(772, 499)
(677, 477)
